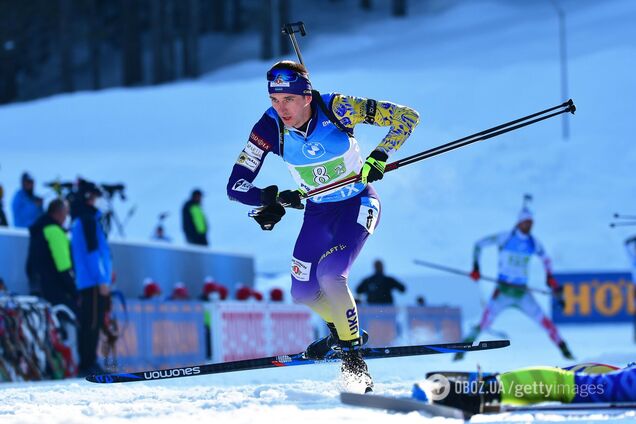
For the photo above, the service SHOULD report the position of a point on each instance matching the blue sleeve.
(19, 206)
(16, 208)
(262, 140)
(88, 257)
(105, 260)
(25, 210)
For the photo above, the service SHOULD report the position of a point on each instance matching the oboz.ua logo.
(439, 386)
(175, 372)
(313, 150)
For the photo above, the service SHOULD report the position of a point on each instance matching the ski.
(406, 405)
(293, 360)
(570, 407)
(462, 375)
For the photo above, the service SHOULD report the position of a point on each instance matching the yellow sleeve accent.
(402, 119)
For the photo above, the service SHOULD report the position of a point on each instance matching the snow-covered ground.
(307, 394)
(465, 69)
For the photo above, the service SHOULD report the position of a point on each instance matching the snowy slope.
(466, 69)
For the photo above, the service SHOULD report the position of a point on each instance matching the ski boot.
(355, 372)
(324, 346)
(565, 351)
(327, 346)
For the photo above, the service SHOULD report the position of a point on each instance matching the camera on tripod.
(79, 192)
(60, 188)
(111, 190)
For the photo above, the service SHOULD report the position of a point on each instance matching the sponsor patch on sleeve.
(242, 186)
(247, 161)
(259, 141)
(253, 150)
(300, 270)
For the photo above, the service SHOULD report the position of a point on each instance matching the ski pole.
(622, 224)
(620, 216)
(291, 30)
(464, 141)
(485, 278)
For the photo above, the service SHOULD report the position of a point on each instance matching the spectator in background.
(195, 225)
(93, 270)
(3, 216)
(3, 288)
(26, 206)
(420, 301)
(150, 289)
(378, 286)
(160, 234)
(49, 266)
(179, 292)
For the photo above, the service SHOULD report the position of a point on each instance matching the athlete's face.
(525, 226)
(293, 109)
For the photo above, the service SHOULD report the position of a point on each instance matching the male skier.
(587, 383)
(313, 134)
(515, 250)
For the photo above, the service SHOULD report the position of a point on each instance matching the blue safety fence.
(157, 334)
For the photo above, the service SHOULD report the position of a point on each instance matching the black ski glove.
(271, 211)
(291, 198)
(269, 195)
(373, 168)
(269, 216)
(558, 296)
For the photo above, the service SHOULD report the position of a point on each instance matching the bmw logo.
(313, 150)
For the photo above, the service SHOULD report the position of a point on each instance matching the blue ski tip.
(110, 378)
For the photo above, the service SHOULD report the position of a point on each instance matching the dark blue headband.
(288, 81)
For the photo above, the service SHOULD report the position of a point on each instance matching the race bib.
(369, 213)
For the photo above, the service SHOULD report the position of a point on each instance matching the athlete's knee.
(331, 281)
(304, 292)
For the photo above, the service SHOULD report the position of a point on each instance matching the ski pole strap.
(327, 111)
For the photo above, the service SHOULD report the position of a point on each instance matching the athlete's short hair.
(292, 66)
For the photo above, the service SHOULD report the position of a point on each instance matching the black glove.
(272, 211)
(558, 295)
(291, 198)
(269, 216)
(269, 195)
(373, 167)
